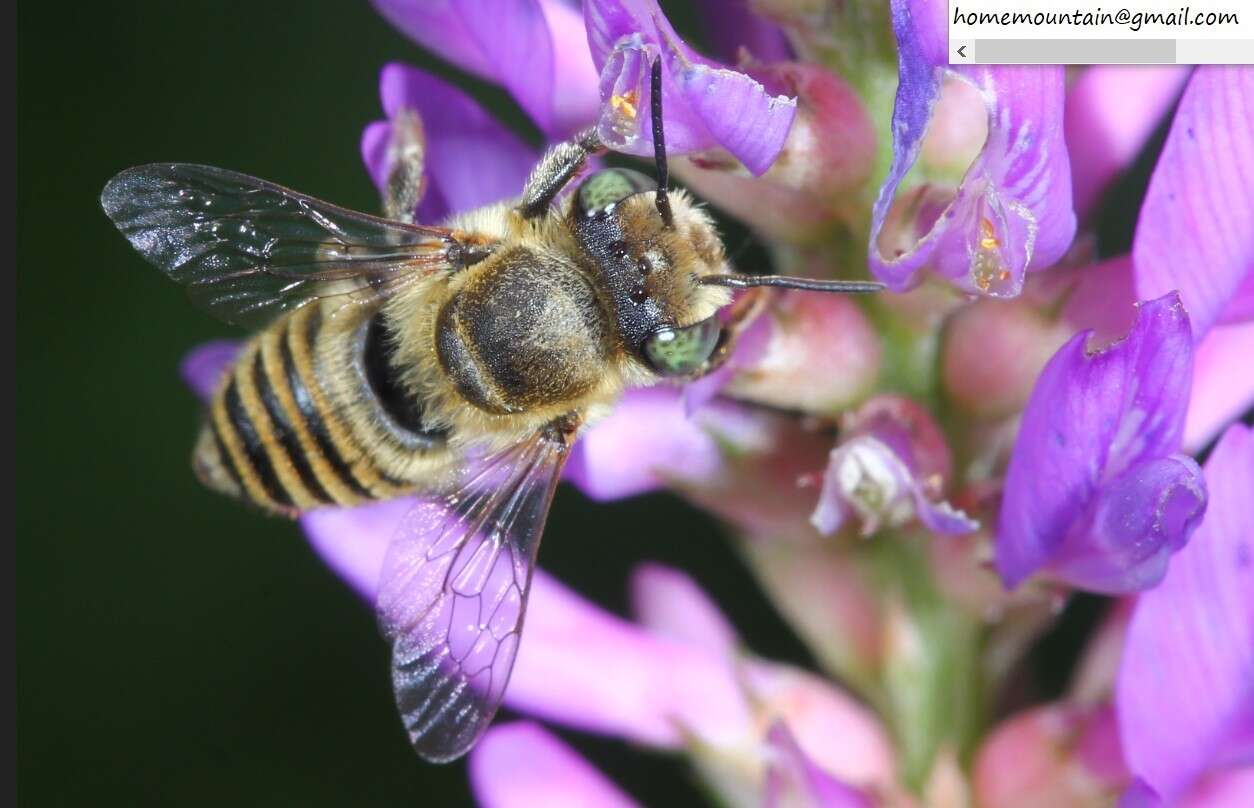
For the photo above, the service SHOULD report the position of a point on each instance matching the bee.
(456, 362)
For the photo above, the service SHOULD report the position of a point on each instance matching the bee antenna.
(786, 282)
(659, 143)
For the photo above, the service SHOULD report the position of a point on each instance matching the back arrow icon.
(961, 48)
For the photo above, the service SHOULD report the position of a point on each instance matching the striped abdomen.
(311, 415)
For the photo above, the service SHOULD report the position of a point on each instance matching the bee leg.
(407, 151)
(558, 166)
(742, 312)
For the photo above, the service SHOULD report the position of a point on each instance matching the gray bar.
(1075, 51)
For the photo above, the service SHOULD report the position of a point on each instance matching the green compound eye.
(681, 351)
(605, 189)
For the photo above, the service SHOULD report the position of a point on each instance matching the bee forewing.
(454, 593)
(247, 249)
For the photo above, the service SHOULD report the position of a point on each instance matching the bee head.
(661, 259)
(652, 267)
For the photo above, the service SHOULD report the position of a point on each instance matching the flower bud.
(821, 355)
(1053, 755)
(993, 352)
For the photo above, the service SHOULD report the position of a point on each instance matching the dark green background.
(173, 647)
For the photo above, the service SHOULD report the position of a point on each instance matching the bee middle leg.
(406, 182)
(559, 165)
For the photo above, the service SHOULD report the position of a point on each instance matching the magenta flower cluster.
(918, 481)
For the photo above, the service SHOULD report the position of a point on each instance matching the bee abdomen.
(276, 434)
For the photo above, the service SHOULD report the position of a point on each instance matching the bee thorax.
(526, 332)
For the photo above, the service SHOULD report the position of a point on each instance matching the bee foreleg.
(559, 165)
(407, 151)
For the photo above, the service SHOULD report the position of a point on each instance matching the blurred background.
(174, 647)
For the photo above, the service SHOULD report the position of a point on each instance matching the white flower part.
(866, 477)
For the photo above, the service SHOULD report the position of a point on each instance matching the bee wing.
(247, 249)
(454, 591)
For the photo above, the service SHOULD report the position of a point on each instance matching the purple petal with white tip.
(1194, 233)
(1185, 692)
(543, 61)
(706, 106)
(1092, 437)
(792, 778)
(471, 160)
(523, 765)
(1012, 211)
(204, 366)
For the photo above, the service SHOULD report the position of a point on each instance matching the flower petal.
(650, 440)
(583, 667)
(1138, 520)
(792, 778)
(204, 366)
(471, 159)
(1194, 230)
(1111, 111)
(733, 26)
(706, 106)
(522, 765)
(839, 734)
(1089, 420)
(828, 155)
(543, 61)
(354, 541)
(670, 603)
(1223, 387)
(1186, 683)
(1226, 788)
(1012, 211)
(1055, 754)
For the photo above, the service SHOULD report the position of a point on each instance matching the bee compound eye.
(681, 351)
(600, 192)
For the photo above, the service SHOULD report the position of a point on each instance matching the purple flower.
(1191, 235)
(471, 160)
(677, 682)
(828, 155)
(1194, 232)
(1111, 111)
(793, 779)
(1186, 684)
(1096, 491)
(536, 49)
(708, 106)
(1012, 210)
(890, 467)
(522, 765)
